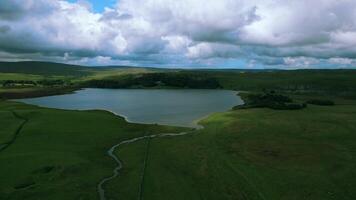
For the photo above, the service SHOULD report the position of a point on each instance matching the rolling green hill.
(339, 82)
(44, 68)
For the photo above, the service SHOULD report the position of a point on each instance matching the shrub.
(9, 83)
(321, 102)
(290, 106)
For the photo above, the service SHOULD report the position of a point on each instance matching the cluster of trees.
(10, 83)
(47, 82)
(273, 101)
(151, 80)
(279, 102)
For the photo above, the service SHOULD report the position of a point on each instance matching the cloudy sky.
(181, 33)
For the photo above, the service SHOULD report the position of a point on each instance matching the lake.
(181, 107)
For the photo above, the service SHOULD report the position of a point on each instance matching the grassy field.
(45, 70)
(252, 154)
(241, 154)
(260, 154)
(59, 154)
(18, 76)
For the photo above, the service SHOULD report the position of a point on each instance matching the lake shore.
(147, 106)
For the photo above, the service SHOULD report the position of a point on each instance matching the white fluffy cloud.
(300, 33)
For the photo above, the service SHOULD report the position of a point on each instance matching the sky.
(97, 6)
(251, 34)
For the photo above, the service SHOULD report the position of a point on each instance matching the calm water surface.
(167, 107)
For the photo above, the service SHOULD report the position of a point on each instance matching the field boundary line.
(119, 165)
(140, 192)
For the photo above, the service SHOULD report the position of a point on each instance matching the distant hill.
(44, 68)
(60, 69)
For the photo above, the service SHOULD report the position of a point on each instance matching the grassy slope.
(44, 68)
(114, 73)
(314, 80)
(73, 143)
(9, 124)
(72, 75)
(255, 154)
(35, 70)
(19, 76)
(243, 154)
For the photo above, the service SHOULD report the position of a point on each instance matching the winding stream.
(118, 167)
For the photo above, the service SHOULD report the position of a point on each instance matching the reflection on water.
(168, 107)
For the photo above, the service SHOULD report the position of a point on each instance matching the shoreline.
(194, 124)
(37, 92)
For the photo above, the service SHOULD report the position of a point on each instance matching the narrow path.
(118, 167)
(5, 145)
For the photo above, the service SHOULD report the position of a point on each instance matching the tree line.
(158, 80)
(10, 83)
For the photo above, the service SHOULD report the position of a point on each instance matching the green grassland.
(18, 76)
(240, 154)
(253, 154)
(256, 153)
(41, 70)
(329, 82)
(44, 68)
(60, 154)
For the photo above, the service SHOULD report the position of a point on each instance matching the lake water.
(167, 107)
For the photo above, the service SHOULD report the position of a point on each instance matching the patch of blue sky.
(98, 5)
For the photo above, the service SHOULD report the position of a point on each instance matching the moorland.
(258, 151)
